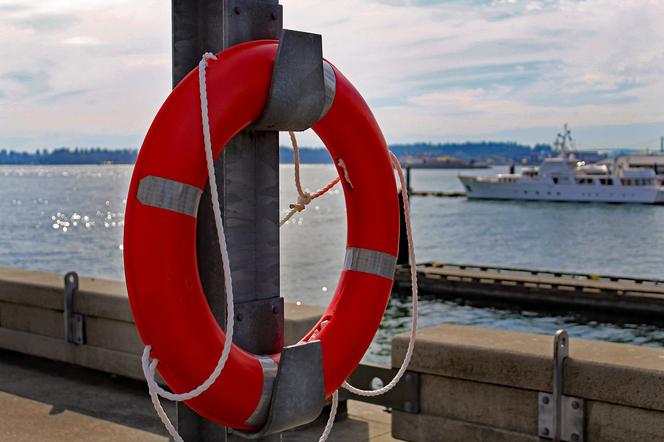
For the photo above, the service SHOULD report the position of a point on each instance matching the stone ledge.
(426, 428)
(616, 373)
(32, 302)
(96, 297)
(510, 409)
(97, 358)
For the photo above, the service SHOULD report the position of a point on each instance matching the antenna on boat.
(561, 144)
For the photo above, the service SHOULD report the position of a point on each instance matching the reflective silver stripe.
(259, 416)
(370, 261)
(330, 81)
(168, 194)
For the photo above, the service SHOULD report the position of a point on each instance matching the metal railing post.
(248, 179)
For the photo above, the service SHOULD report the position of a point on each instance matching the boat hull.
(537, 191)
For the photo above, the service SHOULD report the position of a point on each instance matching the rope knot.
(303, 201)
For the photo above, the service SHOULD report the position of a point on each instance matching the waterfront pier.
(545, 289)
(466, 383)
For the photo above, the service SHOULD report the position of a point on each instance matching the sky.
(95, 72)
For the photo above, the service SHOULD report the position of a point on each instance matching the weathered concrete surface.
(110, 361)
(24, 420)
(484, 404)
(615, 423)
(99, 297)
(427, 428)
(617, 373)
(31, 321)
(57, 402)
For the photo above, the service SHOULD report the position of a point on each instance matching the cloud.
(46, 22)
(431, 69)
(26, 82)
(81, 40)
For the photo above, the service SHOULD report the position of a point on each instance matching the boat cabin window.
(555, 180)
(529, 173)
(584, 181)
(606, 181)
(637, 181)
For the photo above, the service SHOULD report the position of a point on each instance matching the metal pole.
(403, 258)
(248, 179)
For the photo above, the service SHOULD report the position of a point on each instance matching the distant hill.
(70, 156)
(486, 151)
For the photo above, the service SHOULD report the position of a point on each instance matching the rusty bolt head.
(575, 437)
(236, 10)
(576, 405)
(545, 431)
(545, 400)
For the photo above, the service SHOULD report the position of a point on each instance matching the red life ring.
(161, 270)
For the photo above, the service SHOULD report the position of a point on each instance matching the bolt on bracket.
(560, 418)
(74, 322)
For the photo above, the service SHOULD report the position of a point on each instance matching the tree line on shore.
(487, 151)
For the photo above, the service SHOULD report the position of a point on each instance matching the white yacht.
(564, 178)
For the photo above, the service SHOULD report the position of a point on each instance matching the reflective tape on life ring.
(165, 292)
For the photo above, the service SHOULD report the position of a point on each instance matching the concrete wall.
(476, 384)
(31, 321)
(482, 385)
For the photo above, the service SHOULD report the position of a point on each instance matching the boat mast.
(564, 142)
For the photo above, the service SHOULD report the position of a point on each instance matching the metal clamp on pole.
(298, 392)
(303, 84)
(301, 92)
(560, 417)
(74, 322)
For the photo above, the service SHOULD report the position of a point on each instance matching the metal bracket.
(303, 85)
(74, 322)
(253, 319)
(405, 396)
(560, 417)
(298, 392)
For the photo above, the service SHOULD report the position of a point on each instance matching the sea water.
(62, 218)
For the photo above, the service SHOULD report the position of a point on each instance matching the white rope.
(413, 283)
(305, 198)
(149, 367)
(413, 324)
(330, 419)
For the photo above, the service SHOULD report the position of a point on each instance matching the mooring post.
(403, 258)
(409, 188)
(248, 180)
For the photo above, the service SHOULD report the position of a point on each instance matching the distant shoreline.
(485, 152)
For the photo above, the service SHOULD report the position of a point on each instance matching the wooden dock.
(546, 289)
(437, 193)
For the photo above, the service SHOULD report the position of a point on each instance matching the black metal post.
(402, 258)
(248, 179)
(409, 188)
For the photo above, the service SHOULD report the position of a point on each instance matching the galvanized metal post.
(248, 179)
(560, 353)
